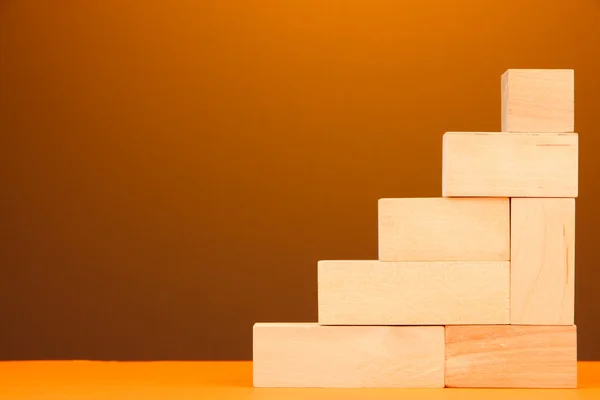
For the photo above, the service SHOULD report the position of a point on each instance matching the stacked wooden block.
(471, 289)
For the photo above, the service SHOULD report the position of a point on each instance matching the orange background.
(173, 170)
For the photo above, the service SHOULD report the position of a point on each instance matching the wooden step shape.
(442, 229)
(538, 100)
(309, 355)
(542, 261)
(511, 356)
(367, 292)
(496, 164)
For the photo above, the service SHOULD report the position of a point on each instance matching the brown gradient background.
(172, 171)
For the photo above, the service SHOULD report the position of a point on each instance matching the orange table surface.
(223, 380)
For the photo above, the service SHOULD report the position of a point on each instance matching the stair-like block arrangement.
(471, 289)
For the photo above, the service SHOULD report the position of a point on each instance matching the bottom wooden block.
(505, 356)
(309, 355)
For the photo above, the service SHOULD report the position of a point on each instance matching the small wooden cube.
(413, 293)
(538, 100)
(442, 229)
(511, 356)
(309, 355)
(542, 261)
(496, 164)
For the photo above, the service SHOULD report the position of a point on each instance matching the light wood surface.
(442, 229)
(542, 261)
(226, 380)
(413, 293)
(511, 356)
(538, 100)
(309, 355)
(496, 164)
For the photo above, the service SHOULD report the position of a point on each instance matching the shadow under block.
(309, 355)
(538, 100)
(495, 164)
(442, 229)
(413, 293)
(511, 356)
(542, 261)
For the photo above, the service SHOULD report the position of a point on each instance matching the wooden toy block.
(542, 261)
(538, 100)
(309, 355)
(496, 164)
(442, 229)
(511, 356)
(413, 293)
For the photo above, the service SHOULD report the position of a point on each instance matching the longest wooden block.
(510, 164)
(538, 100)
(511, 356)
(413, 293)
(543, 261)
(441, 229)
(309, 355)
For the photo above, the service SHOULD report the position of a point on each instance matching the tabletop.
(217, 380)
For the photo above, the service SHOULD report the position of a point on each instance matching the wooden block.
(511, 356)
(442, 229)
(543, 261)
(510, 164)
(538, 100)
(309, 355)
(413, 293)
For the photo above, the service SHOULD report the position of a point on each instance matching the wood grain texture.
(309, 355)
(413, 293)
(538, 100)
(495, 164)
(442, 229)
(543, 261)
(511, 356)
